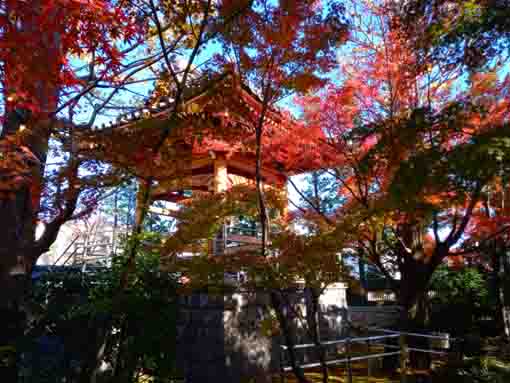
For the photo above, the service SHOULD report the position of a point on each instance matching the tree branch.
(454, 236)
(51, 230)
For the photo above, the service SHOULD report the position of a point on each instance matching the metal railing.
(376, 340)
(243, 230)
(445, 338)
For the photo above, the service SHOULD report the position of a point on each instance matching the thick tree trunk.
(416, 314)
(18, 212)
(17, 233)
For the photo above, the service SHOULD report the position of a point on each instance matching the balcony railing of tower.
(85, 249)
(98, 250)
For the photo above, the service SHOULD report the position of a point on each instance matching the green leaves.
(467, 32)
(467, 285)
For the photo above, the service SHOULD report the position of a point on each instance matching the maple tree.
(179, 91)
(456, 33)
(65, 63)
(278, 50)
(487, 244)
(37, 41)
(282, 49)
(414, 153)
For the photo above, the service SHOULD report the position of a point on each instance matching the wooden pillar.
(220, 185)
(220, 175)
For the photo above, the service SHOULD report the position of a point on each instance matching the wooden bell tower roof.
(212, 132)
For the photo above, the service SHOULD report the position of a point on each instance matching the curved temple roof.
(216, 121)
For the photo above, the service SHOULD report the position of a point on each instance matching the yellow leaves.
(472, 9)
(202, 217)
(192, 108)
(312, 257)
(440, 87)
(290, 257)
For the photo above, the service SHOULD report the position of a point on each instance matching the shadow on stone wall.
(221, 338)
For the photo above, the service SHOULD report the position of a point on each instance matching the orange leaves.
(481, 83)
(440, 199)
(285, 46)
(483, 228)
(17, 166)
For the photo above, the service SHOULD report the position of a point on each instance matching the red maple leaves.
(37, 39)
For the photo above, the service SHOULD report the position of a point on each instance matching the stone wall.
(221, 339)
(374, 316)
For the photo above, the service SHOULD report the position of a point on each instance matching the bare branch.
(454, 236)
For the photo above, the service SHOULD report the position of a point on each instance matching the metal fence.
(439, 344)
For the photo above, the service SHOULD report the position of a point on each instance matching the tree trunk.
(312, 313)
(288, 335)
(416, 314)
(99, 329)
(125, 365)
(495, 279)
(504, 292)
(363, 279)
(19, 207)
(18, 212)
(17, 235)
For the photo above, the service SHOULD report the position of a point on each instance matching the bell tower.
(209, 148)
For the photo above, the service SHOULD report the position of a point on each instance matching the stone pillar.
(333, 303)
(334, 295)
